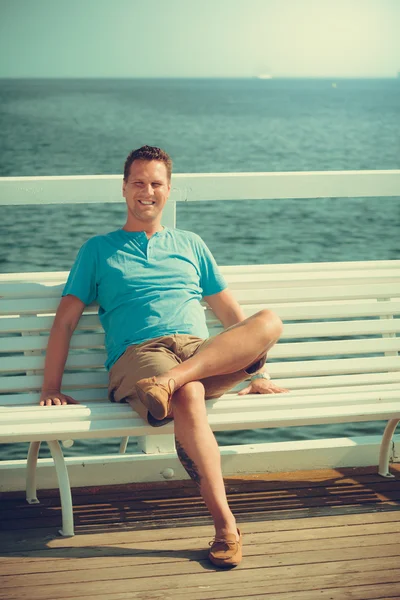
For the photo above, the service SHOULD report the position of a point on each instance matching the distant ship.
(264, 76)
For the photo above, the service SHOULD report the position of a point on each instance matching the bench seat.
(339, 356)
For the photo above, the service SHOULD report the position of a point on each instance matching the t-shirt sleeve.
(82, 280)
(211, 279)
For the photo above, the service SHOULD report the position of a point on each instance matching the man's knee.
(189, 400)
(273, 325)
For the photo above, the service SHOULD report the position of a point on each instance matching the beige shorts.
(161, 354)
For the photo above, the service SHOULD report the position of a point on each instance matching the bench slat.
(244, 296)
(326, 278)
(299, 312)
(61, 276)
(132, 425)
(335, 348)
(292, 369)
(305, 294)
(39, 342)
(292, 268)
(97, 396)
(243, 279)
(96, 359)
(291, 331)
(293, 402)
(43, 323)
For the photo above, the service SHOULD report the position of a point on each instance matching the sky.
(199, 38)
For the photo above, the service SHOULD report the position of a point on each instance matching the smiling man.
(149, 281)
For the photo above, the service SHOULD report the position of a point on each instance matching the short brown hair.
(148, 153)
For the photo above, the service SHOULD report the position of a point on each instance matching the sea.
(88, 126)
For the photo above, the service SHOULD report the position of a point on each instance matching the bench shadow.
(114, 511)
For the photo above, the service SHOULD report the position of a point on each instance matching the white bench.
(339, 356)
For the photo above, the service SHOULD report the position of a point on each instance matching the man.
(148, 281)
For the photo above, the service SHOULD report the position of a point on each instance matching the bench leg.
(31, 495)
(65, 489)
(123, 445)
(385, 448)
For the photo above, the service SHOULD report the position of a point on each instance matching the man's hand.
(262, 386)
(55, 398)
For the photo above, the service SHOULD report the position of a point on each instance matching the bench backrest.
(342, 321)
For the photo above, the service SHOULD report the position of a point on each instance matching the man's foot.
(226, 551)
(155, 396)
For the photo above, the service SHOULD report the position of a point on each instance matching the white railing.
(205, 186)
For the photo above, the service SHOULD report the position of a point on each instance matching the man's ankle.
(222, 529)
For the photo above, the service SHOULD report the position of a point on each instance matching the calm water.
(72, 127)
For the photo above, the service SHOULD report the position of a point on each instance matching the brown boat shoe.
(226, 551)
(155, 396)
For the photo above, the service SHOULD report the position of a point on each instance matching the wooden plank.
(41, 323)
(32, 399)
(100, 397)
(280, 579)
(302, 372)
(96, 358)
(145, 553)
(334, 381)
(334, 348)
(20, 415)
(71, 381)
(235, 484)
(249, 280)
(346, 265)
(377, 384)
(103, 516)
(50, 285)
(335, 328)
(300, 312)
(357, 592)
(291, 269)
(85, 360)
(291, 331)
(244, 296)
(321, 560)
(271, 530)
(39, 342)
(123, 424)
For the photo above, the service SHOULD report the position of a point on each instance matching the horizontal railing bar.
(205, 186)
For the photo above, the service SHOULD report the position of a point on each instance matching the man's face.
(146, 190)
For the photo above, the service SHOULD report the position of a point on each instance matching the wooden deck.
(307, 535)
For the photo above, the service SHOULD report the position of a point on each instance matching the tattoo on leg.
(188, 464)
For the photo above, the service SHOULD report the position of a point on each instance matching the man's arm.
(68, 314)
(226, 308)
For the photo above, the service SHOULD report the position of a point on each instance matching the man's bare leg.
(199, 454)
(233, 349)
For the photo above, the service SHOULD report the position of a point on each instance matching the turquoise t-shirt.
(146, 288)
